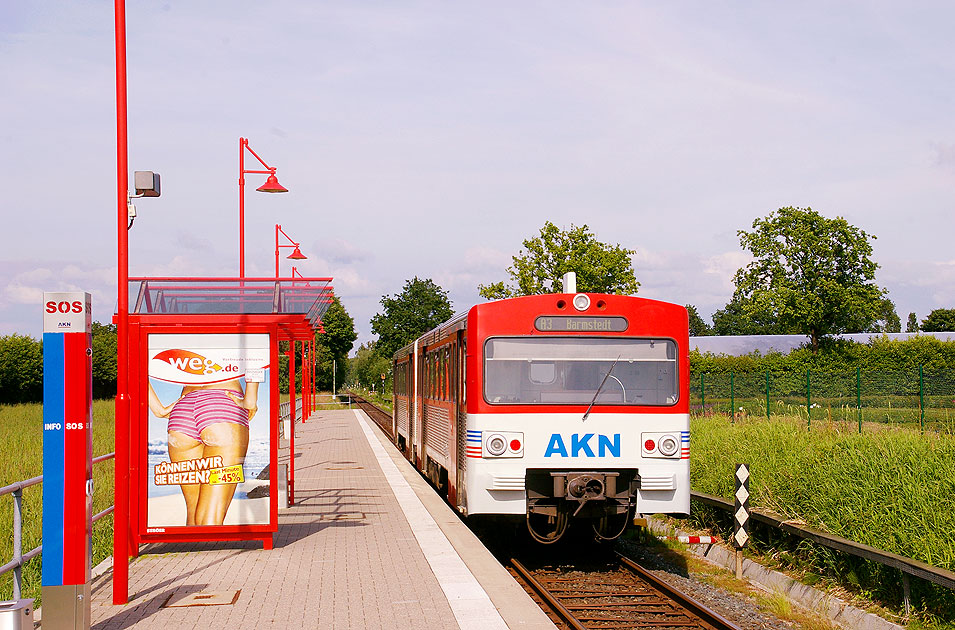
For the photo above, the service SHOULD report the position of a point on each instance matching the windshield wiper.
(597, 393)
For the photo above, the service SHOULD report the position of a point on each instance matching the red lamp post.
(296, 253)
(121, 511)
(271, 185)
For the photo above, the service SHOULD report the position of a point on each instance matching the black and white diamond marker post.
(741, 515)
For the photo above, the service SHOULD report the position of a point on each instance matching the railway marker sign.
(741, 515)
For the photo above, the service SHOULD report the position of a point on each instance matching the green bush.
(21, 369)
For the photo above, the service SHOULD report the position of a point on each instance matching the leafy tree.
(912, 325)
(940, 320)
(698, 327)
(333, 345)
(419, 307)
(367, 366)
(104, 360)
(811, 273)
(735, 319)
(540, 266)
(888, 321)
(21, 369)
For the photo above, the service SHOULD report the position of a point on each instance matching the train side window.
(446, 379)
(441, 374)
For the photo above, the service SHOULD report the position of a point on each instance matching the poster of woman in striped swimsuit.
(209, 396)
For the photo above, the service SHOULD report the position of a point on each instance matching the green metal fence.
(917, 397)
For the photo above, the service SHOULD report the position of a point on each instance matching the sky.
(430, 139)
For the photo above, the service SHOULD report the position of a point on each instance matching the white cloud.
(724, 266)
(944, 154)
(339, 251)
(487, 259)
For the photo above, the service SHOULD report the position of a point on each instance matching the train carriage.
(554, 408)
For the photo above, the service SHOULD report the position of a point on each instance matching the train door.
(460, 422)
(420, 393)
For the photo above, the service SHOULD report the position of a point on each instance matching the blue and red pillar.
(67, 459)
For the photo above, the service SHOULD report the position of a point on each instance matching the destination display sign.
(563, 323)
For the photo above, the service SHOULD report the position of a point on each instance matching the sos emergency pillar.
(67, 460)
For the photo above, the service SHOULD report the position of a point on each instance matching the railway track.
(380, 417)
(615, 595)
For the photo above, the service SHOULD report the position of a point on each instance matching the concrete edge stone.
(814, 600)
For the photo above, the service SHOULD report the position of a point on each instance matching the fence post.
(767, 394)
(906, 594)
(732, 398)
(808, 403)
(921, 399)
(859, 395)
(702, 394)
(18, 542)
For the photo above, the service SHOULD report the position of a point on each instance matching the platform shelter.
(204, 392)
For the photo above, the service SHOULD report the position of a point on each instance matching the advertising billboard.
(208, 436)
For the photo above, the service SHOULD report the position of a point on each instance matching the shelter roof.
(308, 297)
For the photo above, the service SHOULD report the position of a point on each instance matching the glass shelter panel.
(559, 370)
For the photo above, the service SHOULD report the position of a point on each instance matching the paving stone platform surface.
(364, 546)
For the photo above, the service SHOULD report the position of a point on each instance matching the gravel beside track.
(737, 608)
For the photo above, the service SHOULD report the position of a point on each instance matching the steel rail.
(696, 613)
(714, 619)
(380, 417)
(558, 608)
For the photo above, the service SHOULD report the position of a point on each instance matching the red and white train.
(553, 408)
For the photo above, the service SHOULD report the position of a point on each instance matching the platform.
(368, 544)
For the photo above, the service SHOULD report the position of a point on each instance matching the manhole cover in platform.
(343, 467)
(203, 598)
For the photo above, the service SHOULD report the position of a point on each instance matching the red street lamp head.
(272, 185)
(297, 254)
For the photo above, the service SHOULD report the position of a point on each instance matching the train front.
(577, 411)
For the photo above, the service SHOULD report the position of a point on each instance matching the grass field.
(890, 489)
(21, 457)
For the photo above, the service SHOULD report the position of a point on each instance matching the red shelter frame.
(285, 310)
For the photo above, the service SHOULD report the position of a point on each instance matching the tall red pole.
(121, 474)
(304, 385)
(277, 228)
(291, 435)
(311, 375)
(242, 143)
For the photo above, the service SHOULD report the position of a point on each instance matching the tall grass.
(891, 489)
(21, 457)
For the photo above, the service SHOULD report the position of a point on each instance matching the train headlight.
(496, 444)
(669, 445)
(499, 443)
(581, 302)
(660, 445)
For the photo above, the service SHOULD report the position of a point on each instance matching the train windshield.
(571, 370)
